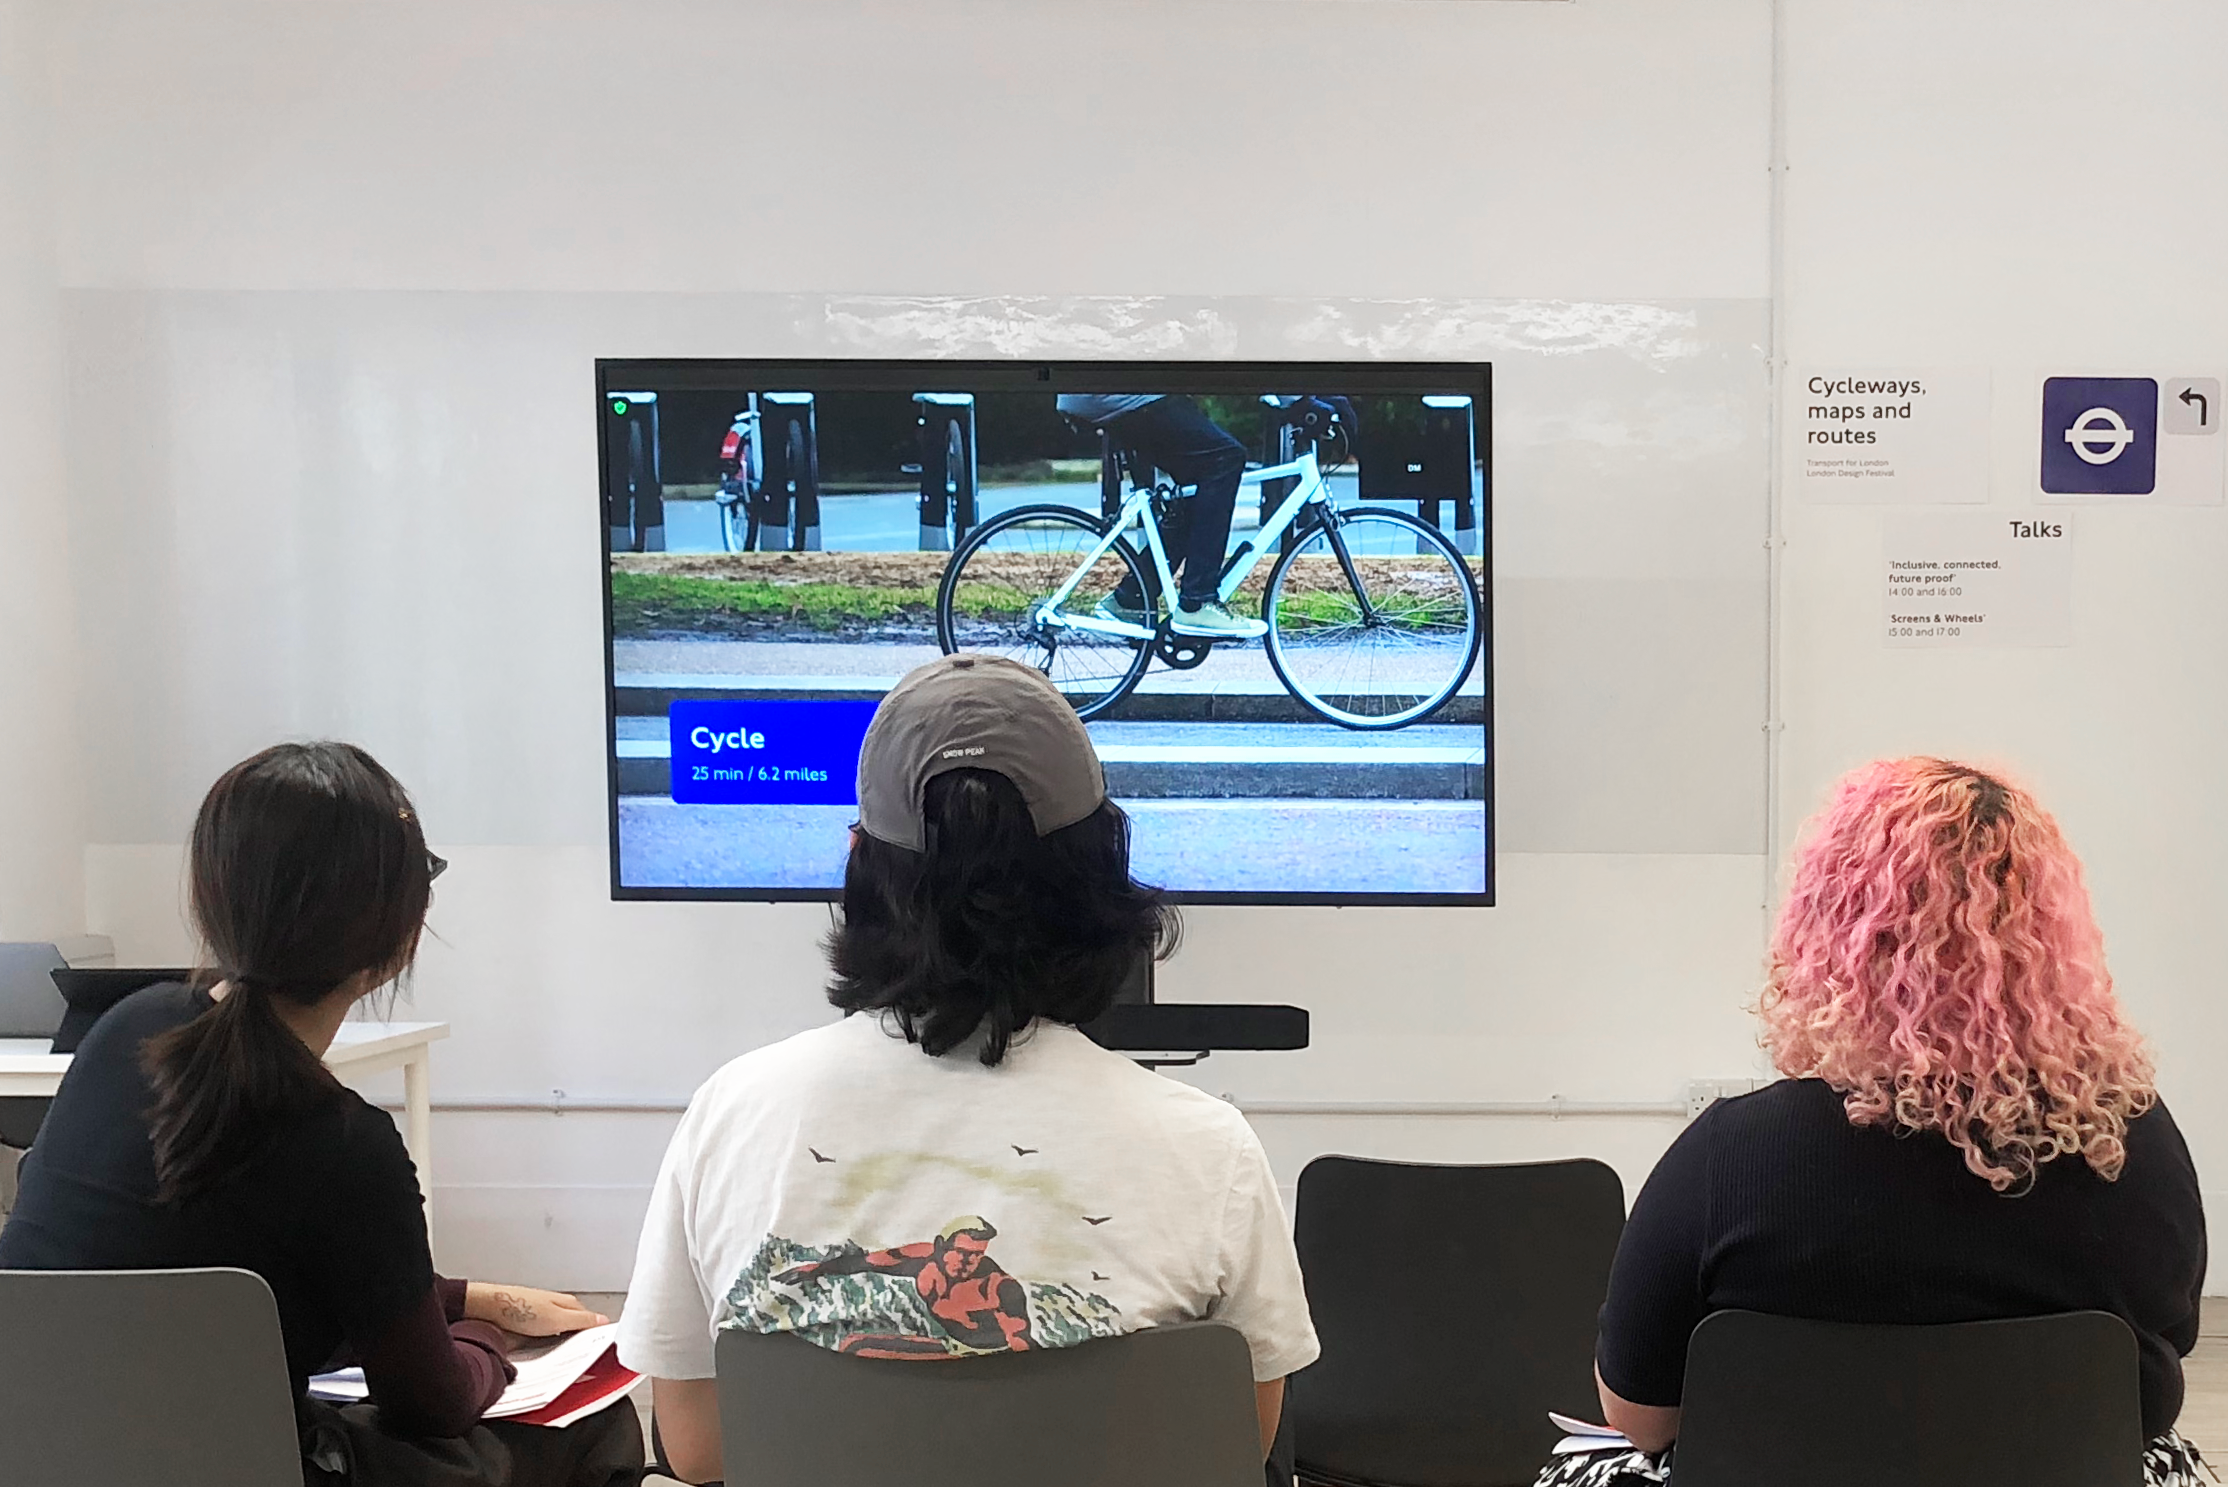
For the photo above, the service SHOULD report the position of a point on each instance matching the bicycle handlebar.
(1321, 418)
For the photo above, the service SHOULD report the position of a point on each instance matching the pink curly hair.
(1937, 962)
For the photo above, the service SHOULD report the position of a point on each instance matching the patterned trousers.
(2168, 1461)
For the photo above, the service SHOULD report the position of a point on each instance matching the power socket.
(1701, 1094)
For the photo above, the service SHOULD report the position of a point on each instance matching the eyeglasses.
(435, 865)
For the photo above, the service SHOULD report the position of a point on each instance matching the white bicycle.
(1374, 616)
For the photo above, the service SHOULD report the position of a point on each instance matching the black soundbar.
(1198, 1027)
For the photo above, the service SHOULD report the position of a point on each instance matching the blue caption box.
(767, 753)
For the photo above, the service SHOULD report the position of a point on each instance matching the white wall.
(331, 275)
(2032, 188)
(332, 278)
(362, 513)
(952, 147)
(42, 836)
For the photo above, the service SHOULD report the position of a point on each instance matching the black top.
(1774, 1202)
(331, 1216)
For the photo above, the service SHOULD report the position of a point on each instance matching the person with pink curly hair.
(1968, 1127)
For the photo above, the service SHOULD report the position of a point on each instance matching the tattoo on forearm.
(513, 1308)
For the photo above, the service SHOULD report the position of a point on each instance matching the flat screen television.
(1266, 587)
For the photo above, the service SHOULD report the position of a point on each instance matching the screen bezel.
(848, 374)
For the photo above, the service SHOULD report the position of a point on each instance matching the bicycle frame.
(1137, 508)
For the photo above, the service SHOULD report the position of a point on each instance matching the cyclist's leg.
(1175, 535)
(1132, 601)
(1195, 450)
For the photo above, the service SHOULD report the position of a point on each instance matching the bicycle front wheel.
(997, 592)
(1374, 619)
(736, 530)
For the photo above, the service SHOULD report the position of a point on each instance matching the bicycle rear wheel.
(996, 592)
(1374, 619)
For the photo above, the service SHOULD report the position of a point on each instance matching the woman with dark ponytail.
(198, 1125)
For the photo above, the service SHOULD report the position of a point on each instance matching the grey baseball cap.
(975, 712)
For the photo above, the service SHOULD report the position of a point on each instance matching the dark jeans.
(345, 1447)
(1194, 450)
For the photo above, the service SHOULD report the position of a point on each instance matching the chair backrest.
(170, 1376)
(1170, 1406)
(2040, 1401)
(1456, 1307)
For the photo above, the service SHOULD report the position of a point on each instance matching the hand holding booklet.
(1584, 1435)
(556, 1385)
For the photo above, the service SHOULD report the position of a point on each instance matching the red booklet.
(606, 1382)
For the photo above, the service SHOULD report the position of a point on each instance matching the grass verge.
(643, 602)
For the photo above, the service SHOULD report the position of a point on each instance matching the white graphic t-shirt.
(848, 1187)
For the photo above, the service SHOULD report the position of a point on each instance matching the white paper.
(341, 1386)
(1906, 436)
(1977, 579)
(541, 1377)
(1585, 1435)
(1572, 1445)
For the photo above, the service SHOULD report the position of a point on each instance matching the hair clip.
(404, 813)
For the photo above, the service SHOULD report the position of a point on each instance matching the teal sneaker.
(1113, 609)
(1210, 621)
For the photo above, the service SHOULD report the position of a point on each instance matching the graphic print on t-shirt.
(934, 1298)
(1062, 1196)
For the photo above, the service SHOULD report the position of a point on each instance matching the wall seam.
(1775, 536)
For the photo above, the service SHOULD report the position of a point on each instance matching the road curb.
(655, 698)
(1181, 774)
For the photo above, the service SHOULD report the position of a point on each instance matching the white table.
(362, 1049)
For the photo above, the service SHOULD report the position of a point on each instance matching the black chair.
(2034, 1401)
(1166, 1406)
(1456, 1307)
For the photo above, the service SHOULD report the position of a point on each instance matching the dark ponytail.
(308, 869)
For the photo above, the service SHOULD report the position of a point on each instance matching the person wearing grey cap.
(953, 1168)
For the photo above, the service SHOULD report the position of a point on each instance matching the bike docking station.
(635, 496)
(947, 467)
(788, 504)
(1161, 1035)
(1433, 463)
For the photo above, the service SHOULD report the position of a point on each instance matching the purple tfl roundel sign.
(2099, 436)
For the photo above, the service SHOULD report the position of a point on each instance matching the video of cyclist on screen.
(1269, 609)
